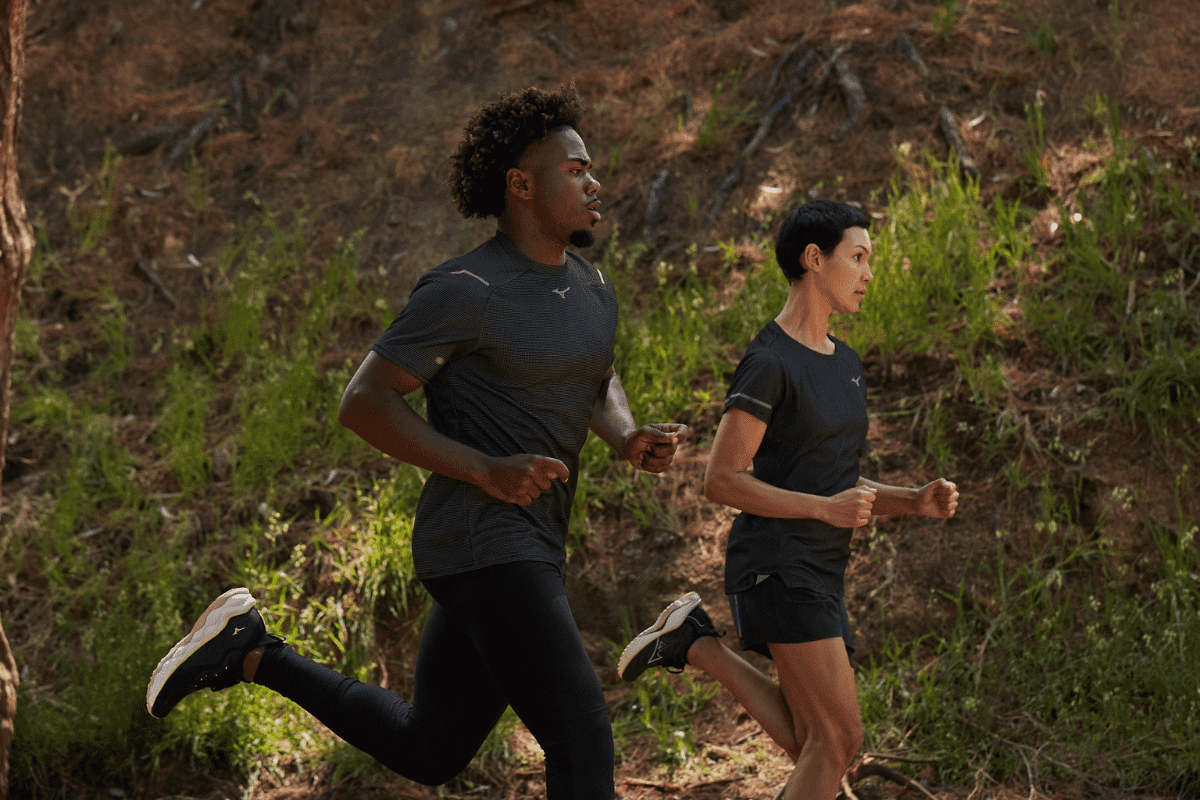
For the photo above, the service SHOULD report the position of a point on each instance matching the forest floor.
(349, 111)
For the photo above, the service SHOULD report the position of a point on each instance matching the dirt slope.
(348, 110)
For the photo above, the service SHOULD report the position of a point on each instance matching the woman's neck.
(805, 317)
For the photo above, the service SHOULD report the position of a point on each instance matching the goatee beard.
(582, 239)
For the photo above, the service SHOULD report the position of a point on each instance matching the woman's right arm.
(728, 480)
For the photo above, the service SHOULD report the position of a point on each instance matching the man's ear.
(519, 182)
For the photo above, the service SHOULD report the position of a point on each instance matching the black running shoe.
(211, 655)
(666, 642)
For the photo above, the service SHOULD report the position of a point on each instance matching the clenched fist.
(851, 508)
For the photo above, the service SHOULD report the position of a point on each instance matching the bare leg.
(759, 695)
(818, 683)
(250, 664)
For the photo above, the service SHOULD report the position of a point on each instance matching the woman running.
(786, 455)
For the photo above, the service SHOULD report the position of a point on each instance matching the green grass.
(660, 707)
(1061, 670)
(727, 113)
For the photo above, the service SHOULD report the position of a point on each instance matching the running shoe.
(666, 642)
(211, 655)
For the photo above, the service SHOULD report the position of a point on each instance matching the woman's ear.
(810, 259)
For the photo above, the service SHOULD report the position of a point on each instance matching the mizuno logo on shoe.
(562, 292)
(657, 654)
(236, 631)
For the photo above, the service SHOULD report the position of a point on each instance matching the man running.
(513, 346)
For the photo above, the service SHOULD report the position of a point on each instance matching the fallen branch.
(146, 142)
(856, 98)
(791, 51)
(653, 206)
(146, 269)
(144, 266)
(819, 89)
(509, 9)
(116, 37)
(869, 769)
(557, 44)
(893, 757)
(950, 131)
(909, 48)
(764, 127)
(665, 788)
(198, 132)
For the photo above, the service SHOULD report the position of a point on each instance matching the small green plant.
(91, 222)
(726, 115)
(1042, 40)
(1119, 16)
(946, 16)
(198, 178)
(183, 440)
(117, 335)
(1033, 156)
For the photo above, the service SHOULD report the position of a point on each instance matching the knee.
(840, 740)
(848, 739)
(431, 771)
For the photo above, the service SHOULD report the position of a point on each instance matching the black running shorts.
(770, 612)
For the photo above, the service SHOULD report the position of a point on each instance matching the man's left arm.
(650, 447)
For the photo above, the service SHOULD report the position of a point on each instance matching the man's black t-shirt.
(815, 407)
(513, 354)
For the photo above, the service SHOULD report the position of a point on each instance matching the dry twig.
(868, 769)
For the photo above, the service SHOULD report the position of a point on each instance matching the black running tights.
(497, 636)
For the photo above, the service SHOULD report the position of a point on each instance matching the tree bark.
(16, 250)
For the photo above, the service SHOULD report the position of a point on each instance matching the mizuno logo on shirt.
(856, 380)
(562, 292)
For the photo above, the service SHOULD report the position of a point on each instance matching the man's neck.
(532, 241)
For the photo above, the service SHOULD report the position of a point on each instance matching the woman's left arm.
(937, 499)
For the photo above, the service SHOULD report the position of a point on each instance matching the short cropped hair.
(820, 222)
(496, 138)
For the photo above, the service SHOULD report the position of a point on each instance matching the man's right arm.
(374, 407)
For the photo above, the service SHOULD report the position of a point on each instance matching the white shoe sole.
(211, 622)
(670, 619)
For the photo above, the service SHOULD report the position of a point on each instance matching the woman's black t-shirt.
(815, 408)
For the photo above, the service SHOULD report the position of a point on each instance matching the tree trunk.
(16, 249)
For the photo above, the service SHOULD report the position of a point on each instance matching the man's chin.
(582, 239)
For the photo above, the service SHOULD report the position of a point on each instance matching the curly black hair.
(496, 138)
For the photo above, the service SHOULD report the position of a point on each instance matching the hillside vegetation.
(197, 304)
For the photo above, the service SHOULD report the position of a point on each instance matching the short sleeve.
(758, 385)
(440, 322)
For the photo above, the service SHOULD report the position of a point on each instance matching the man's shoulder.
(488, 265)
